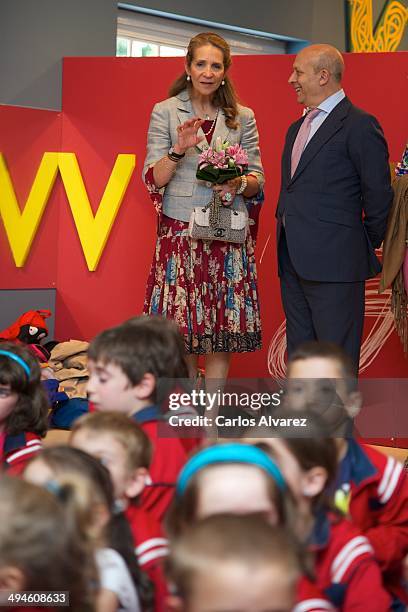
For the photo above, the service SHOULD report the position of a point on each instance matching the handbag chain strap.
(215, 207)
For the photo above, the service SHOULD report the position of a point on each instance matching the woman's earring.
(188, 78)
(222, 82)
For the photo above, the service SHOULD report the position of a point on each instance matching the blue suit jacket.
(337, 203)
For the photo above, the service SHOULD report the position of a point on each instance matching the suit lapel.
(326, 131)
(185, 111)
(184, 107)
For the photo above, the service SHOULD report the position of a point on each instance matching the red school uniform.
(378, 506)
(310, 599)
(169, 456)
(18, 450)
(345, 568)
(151, 547)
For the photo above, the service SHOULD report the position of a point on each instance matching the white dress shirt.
(325, 108)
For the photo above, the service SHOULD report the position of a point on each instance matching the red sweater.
(169, 456)
(151, 547)
(345, 566)
(310, 599)
(379, 508)
(18, 450)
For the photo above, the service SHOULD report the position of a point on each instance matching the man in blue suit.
(333, 206)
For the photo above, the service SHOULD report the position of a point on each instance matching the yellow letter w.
(93, 231)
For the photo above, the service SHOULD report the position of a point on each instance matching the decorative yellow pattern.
(388, 33)
(93, 230)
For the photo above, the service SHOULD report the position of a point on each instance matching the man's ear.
(354, 403)
(136, 483)
(324, 76)
(146, 387)
(313, 481)
(11, 578)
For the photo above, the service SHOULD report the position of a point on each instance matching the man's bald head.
(326, 57)
(317, 73)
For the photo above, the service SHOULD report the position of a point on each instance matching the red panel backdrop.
(25, 134)
(106, 109)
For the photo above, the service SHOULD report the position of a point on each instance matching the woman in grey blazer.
(208, 288)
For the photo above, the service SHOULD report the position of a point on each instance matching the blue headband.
(53, 487)
(18, 360)
(229, 453)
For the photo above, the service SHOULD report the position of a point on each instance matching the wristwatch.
(173, 153)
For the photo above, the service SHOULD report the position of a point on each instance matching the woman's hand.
(228, 190)
(187, 134)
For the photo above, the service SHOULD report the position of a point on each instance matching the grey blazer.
(183, 192)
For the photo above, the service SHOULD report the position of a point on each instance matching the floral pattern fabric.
(208, 288)
(402, 167)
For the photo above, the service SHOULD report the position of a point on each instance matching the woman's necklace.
(213, 122)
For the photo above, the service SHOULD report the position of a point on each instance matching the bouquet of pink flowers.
(222, 162)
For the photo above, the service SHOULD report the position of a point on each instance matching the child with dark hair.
(83, 486)
(40, 550)
(23, 407)
(127, 363)
(123, 447)
(371, 488)
(229, 562)
(345, 566)
(230, 478)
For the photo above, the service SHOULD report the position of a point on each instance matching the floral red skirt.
(208, 288)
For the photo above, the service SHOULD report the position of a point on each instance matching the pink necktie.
(301, 139)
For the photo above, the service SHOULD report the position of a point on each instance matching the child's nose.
(90, 387)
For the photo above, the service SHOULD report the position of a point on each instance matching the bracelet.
(171, 167)
(173, 157)
(172, 154)
(243, 185)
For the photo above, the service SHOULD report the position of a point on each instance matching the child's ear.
(146, 387)
(174, 603)
(11, 578)
(101, 517)
(314, 481)
(354, 404)
(136, 483)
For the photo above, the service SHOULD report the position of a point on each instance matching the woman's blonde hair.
(225, 97)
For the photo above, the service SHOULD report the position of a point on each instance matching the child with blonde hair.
(84, 487)
(126, 451)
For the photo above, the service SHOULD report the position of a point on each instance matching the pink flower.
(238, 155)
(223, 156)
(209, 157)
